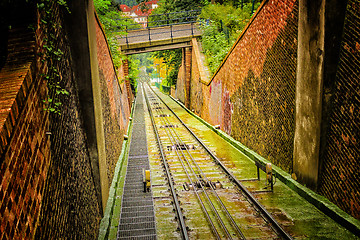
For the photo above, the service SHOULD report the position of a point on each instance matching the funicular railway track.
(230, 210)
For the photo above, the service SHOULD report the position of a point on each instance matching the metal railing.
(162, 20)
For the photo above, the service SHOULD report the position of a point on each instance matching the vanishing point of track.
(230, 210)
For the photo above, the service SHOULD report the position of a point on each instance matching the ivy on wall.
(52, 54)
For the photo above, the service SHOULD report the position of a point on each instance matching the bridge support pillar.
(127, 81)
(319, 39)
(187, 52)
(309, 91)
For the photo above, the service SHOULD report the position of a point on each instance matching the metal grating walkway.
(137, 219)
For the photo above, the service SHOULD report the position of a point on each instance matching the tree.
(114, 25)
(172, 58)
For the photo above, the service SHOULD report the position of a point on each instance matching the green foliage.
(114, 25)
(134, 71)
(215, 45)
(52, 55)
(172, 60)
(111, 20)
(144, 58)
(221, 27)
(233, 18)
(166, 6)
(129, 3)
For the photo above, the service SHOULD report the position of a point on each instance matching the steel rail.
(171, 132)
(275, 225)
(179, 214)
(237, 229)
(204, 188)
(198, 197)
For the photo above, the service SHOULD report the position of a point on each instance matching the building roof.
(124, 8)
(140, 10)
(152, 2)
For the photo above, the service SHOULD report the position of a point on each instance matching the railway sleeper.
(179, 146)
(216, 185)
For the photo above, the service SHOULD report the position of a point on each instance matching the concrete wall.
(309, 91)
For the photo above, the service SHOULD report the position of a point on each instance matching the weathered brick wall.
(47, 189)
(115, 105)
(340, 174)
(70, 207)
(180, 84)
(24, 146)
(196, 103)
(252, 95)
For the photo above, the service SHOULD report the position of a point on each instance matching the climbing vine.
(51, 53)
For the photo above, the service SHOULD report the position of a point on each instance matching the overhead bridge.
(161, 34)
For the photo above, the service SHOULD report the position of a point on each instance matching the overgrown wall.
(115, 106)
(252, 95)
(70, 205)
(340, 174)
(50, 186)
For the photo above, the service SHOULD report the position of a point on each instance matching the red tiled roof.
(124, 8)
(138, 11)
(152, 2)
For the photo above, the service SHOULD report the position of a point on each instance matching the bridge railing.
(163, 20)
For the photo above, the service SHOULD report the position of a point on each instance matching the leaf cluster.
(172, 60)
(115, 24)
(52, 54)
(221, 26)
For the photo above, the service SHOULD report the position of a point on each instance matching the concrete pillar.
(187, 68)
(95, 80)
(82, 38)
(127, 81)
(309, 91)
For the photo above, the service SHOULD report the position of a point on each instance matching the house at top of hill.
(140, 12)
(125, 9)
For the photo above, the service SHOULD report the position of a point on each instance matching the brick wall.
(115, 105)
(252, 95)
(70, 207)
(180, 84)
(47, 189)
(24, 146)
(340, 175)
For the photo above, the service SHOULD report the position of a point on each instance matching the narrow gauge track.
(222, 216)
